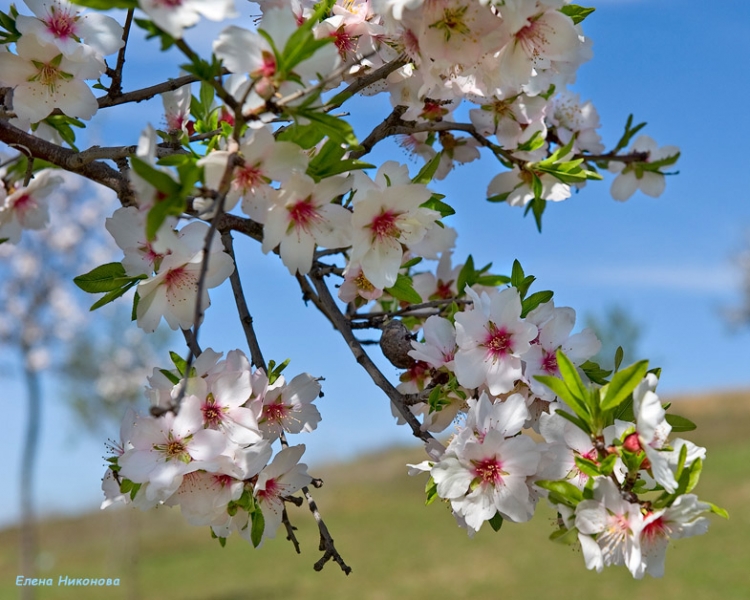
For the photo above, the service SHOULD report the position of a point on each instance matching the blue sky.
(680, 66)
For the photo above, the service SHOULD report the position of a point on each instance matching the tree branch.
(331, 310)
(68, 159)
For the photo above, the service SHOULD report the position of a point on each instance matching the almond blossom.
(43, 80)
(639, 176)
(26, 207)
(85, 38)
(164, 450)
(491, 343)
(172, 292)
(174, 16)
(302, 215)
(388, 213)
(610, 528)
(283, 477)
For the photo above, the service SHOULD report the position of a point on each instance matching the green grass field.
(397, 547)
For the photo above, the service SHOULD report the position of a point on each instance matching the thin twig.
(115, 88)
(246, 318)
(327, 545)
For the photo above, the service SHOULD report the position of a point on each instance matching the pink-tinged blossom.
(565, 442)
(128, 228)
(683, 519)
(541, 41)
(610, 528)
(554, 335)
(283, 477)
(264, 159)
(387, 214)
(85, 38)
(491, 343)
(221, 406)
(146, 194)
(26, 207)
(303, 216)
(439, 346)
(489, 476)
(356, 285)
(167, 448)
(288, 406)
(43, 80)
(173, 16)
(173, 292)
(634, 176)
(177, 108)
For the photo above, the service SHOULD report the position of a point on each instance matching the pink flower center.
(61, 23)
(489, 471)
(549, 362)
(267, 67)
(167, 3)
(275, 412)
(443, 291)
(272, 490)
(433, 111)
(344, 41)
(213, 415)
(384, 225)
(534, 38)
(303, 214)
(499, 342)
(223, 481)
(23, 204)
(248, 177)
(180, 282)
(654, 530)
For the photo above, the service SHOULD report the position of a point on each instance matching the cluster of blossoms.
(615, 478)
(213, 458)
(260, 139)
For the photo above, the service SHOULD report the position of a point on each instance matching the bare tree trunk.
(28, 534)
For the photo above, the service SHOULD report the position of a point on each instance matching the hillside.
(397, 547)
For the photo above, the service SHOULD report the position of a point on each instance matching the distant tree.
(615, 327)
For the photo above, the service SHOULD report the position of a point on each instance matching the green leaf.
(466, 275)
(680, 424)
(172, 205)
(496, 522)
(630, 131)
(588, 467)
(578, 422)
(569, 537)
(174, 380)
(569, 494)
(534, 301)
(305, 136)
(412, 263)
(622, 385)
(115, 294)
(404, 290)
(427, 172)
(431, 491)
(335, 128)
(153, 31)
(103, 278)
(595, 373)
(570, 376)
(106, 4)
(159, 179)
(619, 354)
(718, 510)
(434, 203)
(577, 13)
(257, 528)
(179, 362)
(563, 392)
